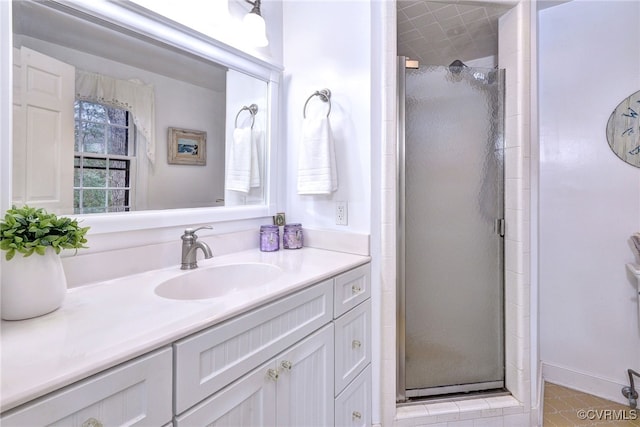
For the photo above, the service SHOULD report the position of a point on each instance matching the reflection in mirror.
(93, 105)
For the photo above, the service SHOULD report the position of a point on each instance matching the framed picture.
(187, 147)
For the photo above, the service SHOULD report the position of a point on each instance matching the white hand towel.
(317, 172)
(256, 138)
(239, 167)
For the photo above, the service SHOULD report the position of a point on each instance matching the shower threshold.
(475, 405)
(458, 389)
(454, 397)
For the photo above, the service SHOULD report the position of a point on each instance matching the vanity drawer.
(137, 393)
(353, 405)
(208, 361)
(352, 344)
(351, 288)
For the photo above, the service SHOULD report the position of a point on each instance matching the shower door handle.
(499, 226)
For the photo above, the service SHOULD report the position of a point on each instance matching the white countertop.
(107, 323)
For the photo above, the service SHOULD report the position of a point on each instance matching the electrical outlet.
(341, 213)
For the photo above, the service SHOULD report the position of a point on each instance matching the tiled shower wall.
(514, 56)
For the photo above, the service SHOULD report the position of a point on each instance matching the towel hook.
(325, 96)
(253, 110)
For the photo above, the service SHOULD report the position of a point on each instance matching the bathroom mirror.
(137, 80)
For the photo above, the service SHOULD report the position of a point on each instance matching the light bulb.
(255, 29)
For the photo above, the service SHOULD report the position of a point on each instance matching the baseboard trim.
(584, 382)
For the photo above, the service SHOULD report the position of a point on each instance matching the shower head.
(458, 69)
(485, 77)
(456, 66)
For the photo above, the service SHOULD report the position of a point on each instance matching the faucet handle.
(191, 231)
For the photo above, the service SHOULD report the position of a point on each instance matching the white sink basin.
(217, 281)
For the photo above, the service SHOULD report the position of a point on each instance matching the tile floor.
(564, 407)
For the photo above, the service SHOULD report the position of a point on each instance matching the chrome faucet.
(190, 245)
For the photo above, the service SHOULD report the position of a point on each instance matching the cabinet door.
(305, 383)
(249, 402)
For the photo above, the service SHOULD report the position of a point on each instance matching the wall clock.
(623, 130)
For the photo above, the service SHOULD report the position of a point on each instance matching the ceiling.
(439, 32)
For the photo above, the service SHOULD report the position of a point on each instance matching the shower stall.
(451, 230)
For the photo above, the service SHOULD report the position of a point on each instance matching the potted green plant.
(33, 281)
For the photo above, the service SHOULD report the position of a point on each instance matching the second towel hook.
(324, 95)
(253, 110)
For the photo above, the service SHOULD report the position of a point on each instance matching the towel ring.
(253, 110)
(325, 96)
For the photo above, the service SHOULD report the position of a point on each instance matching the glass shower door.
(451, 244)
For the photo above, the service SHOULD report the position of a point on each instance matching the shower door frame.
(401, 388)
(401, 391)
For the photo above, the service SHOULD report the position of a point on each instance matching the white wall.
(328, 45)
(589, 60)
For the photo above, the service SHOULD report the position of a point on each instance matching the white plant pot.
(32, 286)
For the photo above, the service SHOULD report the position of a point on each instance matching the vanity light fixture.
(254, 26)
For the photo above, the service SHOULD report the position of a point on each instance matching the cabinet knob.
(273, 374)
(356, 289)
(92, 422)
(356, 344)
(356, 415)
(286, 365)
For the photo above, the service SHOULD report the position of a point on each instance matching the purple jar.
(269, 238)
(292, 236)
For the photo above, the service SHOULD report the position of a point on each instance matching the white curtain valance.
(132, 95)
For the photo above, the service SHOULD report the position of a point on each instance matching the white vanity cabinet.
(293, 389)
(302, 359)
(210, 360)
(293, 362)
(353, 348)
(137, 393)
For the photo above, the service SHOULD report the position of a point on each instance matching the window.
(104, 158)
